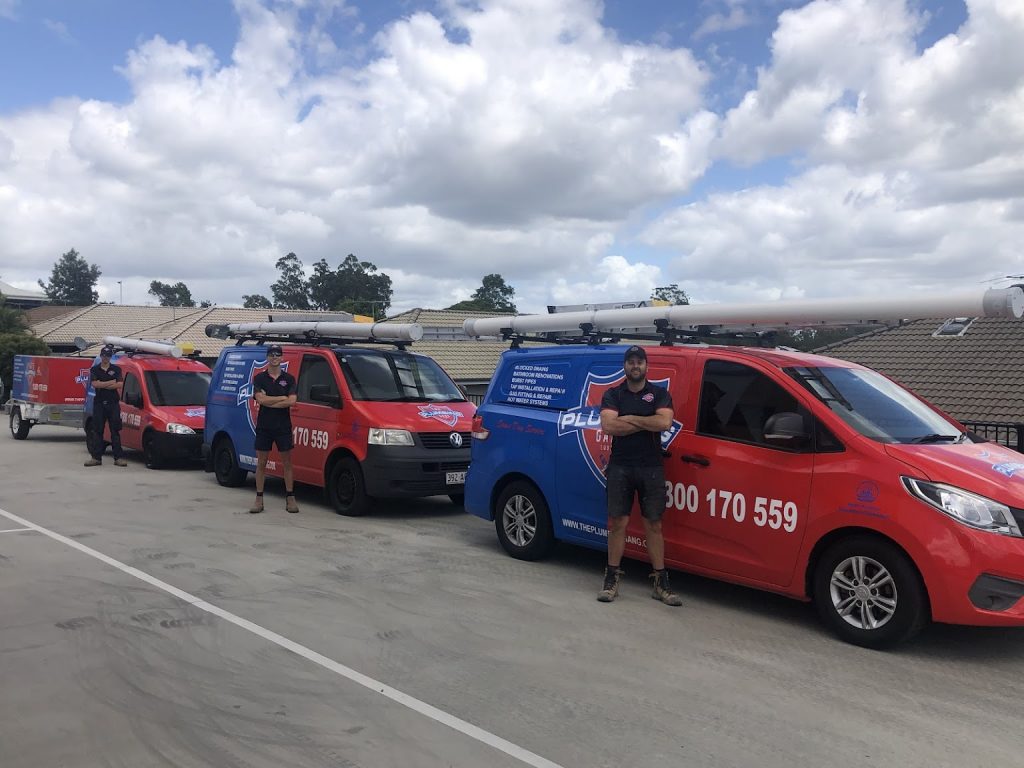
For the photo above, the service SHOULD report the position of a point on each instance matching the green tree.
(355, 286)
(12, 319)
(671, 293)
(72, 281)
(493, 295)
(256, 301)
(290, 291)
(177, 295)
(12, 344)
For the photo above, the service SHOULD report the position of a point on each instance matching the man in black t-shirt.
(635, 413)
(105, 379)
(274, 392)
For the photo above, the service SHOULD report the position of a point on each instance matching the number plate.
(455, 478)
(54, 415)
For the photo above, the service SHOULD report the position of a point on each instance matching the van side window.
(131, 392)
(317, 383)
(740, 403)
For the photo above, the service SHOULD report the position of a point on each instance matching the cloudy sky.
(585, 150)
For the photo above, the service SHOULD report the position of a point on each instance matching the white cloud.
(59, 30)
(9, 9)
(735, 17)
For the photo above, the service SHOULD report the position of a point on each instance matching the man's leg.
(620, 500)
(96, 436)
(114, 418)
(289, 482)
(652, 505)
(261, 475)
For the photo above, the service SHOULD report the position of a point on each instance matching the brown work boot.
(93, 462)
(610, 590)
(257, 506)
(290, 505)
(120, 463)
(661, 589)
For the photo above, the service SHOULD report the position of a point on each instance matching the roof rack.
(689, 322)
(316, 334)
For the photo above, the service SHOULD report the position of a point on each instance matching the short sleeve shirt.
(641, 449)
(113, 373)
(274, 419)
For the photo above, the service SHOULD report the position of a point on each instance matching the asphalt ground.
(147, 620)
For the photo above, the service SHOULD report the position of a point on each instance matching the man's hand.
(659, 422)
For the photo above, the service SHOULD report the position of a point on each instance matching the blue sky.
(632, 142)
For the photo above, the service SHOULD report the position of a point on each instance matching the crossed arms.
(619, 426)
(273, 401)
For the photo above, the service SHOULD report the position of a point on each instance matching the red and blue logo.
(246, 391)
(584, 421)
(443, 413)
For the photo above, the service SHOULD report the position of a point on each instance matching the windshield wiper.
(937, 438)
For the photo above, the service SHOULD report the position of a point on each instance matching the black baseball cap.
(107, 351)
(275, 349)
(634, 351)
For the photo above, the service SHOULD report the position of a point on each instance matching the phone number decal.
(776, 514)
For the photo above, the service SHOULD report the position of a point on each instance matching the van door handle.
(696, 460)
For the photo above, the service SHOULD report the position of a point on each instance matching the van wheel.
(346, 490)
(19, 427)
(225, 468)
(869, 593)
(523, 522)
(458, 499)
(149, 452)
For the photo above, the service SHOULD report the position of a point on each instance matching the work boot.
(257, 506)
(610, 590)
(661, 589)
(290, 505)
(120, 463)
(93, 462)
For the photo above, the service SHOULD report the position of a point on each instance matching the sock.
(259, 494)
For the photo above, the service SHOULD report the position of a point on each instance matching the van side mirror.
(321, 393)
(787, 428)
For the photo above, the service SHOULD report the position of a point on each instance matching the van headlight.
(379, 436)
(965, 507)
(180, 429)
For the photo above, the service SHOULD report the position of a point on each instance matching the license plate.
(54, 415)
(455, 478)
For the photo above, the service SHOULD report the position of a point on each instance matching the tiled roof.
(975, 377)
(37, 315)
(439, 317)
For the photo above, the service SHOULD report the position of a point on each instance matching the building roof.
(10, 292)
(446, 318)
(977, 376)
(37, 315)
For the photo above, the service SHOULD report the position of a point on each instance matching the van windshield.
(397, 377)
(875, 406)
(177, 387)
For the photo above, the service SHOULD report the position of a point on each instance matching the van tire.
(346, 490)
(857, 561)
(19, 427)
(225, 467)
(149, 453)
(523, 522)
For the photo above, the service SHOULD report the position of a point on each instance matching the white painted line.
(17, 530)
(420, 707)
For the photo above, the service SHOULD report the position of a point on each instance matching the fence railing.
(1005, 433)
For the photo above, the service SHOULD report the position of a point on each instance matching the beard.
(635, 375)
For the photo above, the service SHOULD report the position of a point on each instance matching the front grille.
(446, 466)
(441, 440)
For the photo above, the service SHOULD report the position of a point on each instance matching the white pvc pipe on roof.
(142, 345)
(368, 331)
(991, 302)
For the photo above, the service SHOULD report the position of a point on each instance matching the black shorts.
(267, 438)
(625, 483)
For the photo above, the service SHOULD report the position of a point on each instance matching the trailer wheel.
(225, 468)
(19, 427)
(150, 454)
(345, 488)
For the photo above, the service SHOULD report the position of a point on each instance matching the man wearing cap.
(105, 379)
(274, 392)
(635, 413)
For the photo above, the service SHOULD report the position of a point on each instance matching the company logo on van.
(83, 376)
(246, 391)
(446, 415)
(584, 421)
(195, 412)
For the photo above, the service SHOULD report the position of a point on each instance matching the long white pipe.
(991, 302)
(141, 345)
(368, 331)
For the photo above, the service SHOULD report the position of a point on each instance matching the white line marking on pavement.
(420, 707)
(17, 530)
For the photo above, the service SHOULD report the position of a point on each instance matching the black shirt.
(113, 373)
(641, 449)
(274, 419)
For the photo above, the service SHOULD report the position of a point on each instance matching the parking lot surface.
(147, 620)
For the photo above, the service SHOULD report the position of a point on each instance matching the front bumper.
(410, 471)
(171, 446)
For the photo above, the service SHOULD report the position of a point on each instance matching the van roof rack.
(753, 320)
(163, 347)
(664, 334)
(399, 335)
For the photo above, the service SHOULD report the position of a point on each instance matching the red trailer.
(47, 390)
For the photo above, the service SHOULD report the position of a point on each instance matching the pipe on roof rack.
(991, 302)
(303, 330)
(142, 345)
